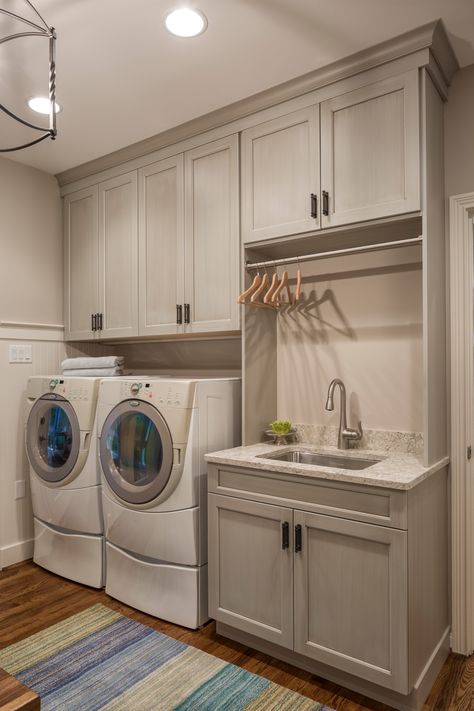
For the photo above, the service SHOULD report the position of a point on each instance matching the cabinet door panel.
(351, 598)
(81, 256)
(250, 574)
(280, 170)
(370, 151)
(161, 239)
(212, 255)
(118, 275)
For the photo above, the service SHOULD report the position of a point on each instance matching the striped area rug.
(99, 659)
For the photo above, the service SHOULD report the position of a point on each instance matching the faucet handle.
(354, 435)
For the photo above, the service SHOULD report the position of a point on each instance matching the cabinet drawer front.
(359, 503)
(351, 598)
(251, 567)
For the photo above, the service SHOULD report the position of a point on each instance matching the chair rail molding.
(461, 252)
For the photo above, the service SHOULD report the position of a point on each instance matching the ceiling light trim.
(192, 11)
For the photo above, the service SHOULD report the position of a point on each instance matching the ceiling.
(122, 78)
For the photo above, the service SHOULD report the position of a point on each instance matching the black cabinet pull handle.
(325, 203)
(187, 313)
(100, 321)
(92, 322)
(285, 535)
(179, 314)
(314, 205)
(298, 539)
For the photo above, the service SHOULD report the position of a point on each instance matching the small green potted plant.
(280, 430)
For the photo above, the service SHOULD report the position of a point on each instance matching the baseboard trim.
(17, 552)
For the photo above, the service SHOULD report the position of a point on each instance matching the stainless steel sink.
(336, 461)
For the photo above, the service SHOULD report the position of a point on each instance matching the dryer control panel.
(80, 392)
(74, 391)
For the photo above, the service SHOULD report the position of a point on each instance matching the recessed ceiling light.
(42, 105)
(185, 22)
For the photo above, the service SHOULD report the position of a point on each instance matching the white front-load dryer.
(153, 435)
(61, 444)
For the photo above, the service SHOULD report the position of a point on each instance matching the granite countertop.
(392, 470)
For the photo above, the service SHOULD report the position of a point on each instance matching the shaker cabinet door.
(370, 144)
(118, 256)
(212, 244)
(280, 176)
(351, 598)
(251, 567)
(161, 247)
(81, 262)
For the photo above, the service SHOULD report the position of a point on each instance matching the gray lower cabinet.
(350, 591)
(329, 588)
(252, 562)
(346, 580)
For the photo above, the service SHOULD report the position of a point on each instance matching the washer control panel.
(161, 393)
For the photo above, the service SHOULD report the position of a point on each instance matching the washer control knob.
(135, 388)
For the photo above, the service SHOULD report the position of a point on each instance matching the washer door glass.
(136, 451)
(52, 438)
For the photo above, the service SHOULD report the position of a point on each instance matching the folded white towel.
(101, 362)
(94, 372)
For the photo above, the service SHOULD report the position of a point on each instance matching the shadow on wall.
(311, 307)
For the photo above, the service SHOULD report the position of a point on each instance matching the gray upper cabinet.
(280, 174)
(212, 244)
(352, 158)
(161, 246)
(251, 567)
(100, 228)
(370, 152)
(156, 251)
(81, 262)
(351, 598)
(118, 256)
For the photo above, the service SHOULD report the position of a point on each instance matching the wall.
(459, 142)
(30, 292)
(206, 357)
(360, 320)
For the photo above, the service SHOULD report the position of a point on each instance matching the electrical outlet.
(20, 489)
(20, 353)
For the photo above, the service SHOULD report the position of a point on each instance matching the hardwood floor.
(32, 599)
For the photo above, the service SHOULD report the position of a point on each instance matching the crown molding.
(432, 37)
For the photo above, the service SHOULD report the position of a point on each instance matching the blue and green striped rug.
(99, 659)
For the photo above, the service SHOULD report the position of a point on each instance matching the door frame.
(461, 272)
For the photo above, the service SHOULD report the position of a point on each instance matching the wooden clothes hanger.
(263, 285)
(267, 299)
(297, 295)
(241, 299)
(280, 287)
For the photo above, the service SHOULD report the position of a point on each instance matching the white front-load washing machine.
(153, 435)
(61, 444)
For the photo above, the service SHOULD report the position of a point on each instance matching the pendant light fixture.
(39, 28)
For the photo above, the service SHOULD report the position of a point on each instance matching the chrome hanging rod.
(336, 253)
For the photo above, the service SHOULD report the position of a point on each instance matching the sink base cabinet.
(366, 601)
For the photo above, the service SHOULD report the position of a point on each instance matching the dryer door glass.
(136, 451)
(52, 438)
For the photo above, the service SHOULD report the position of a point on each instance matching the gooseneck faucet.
(346, 434)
